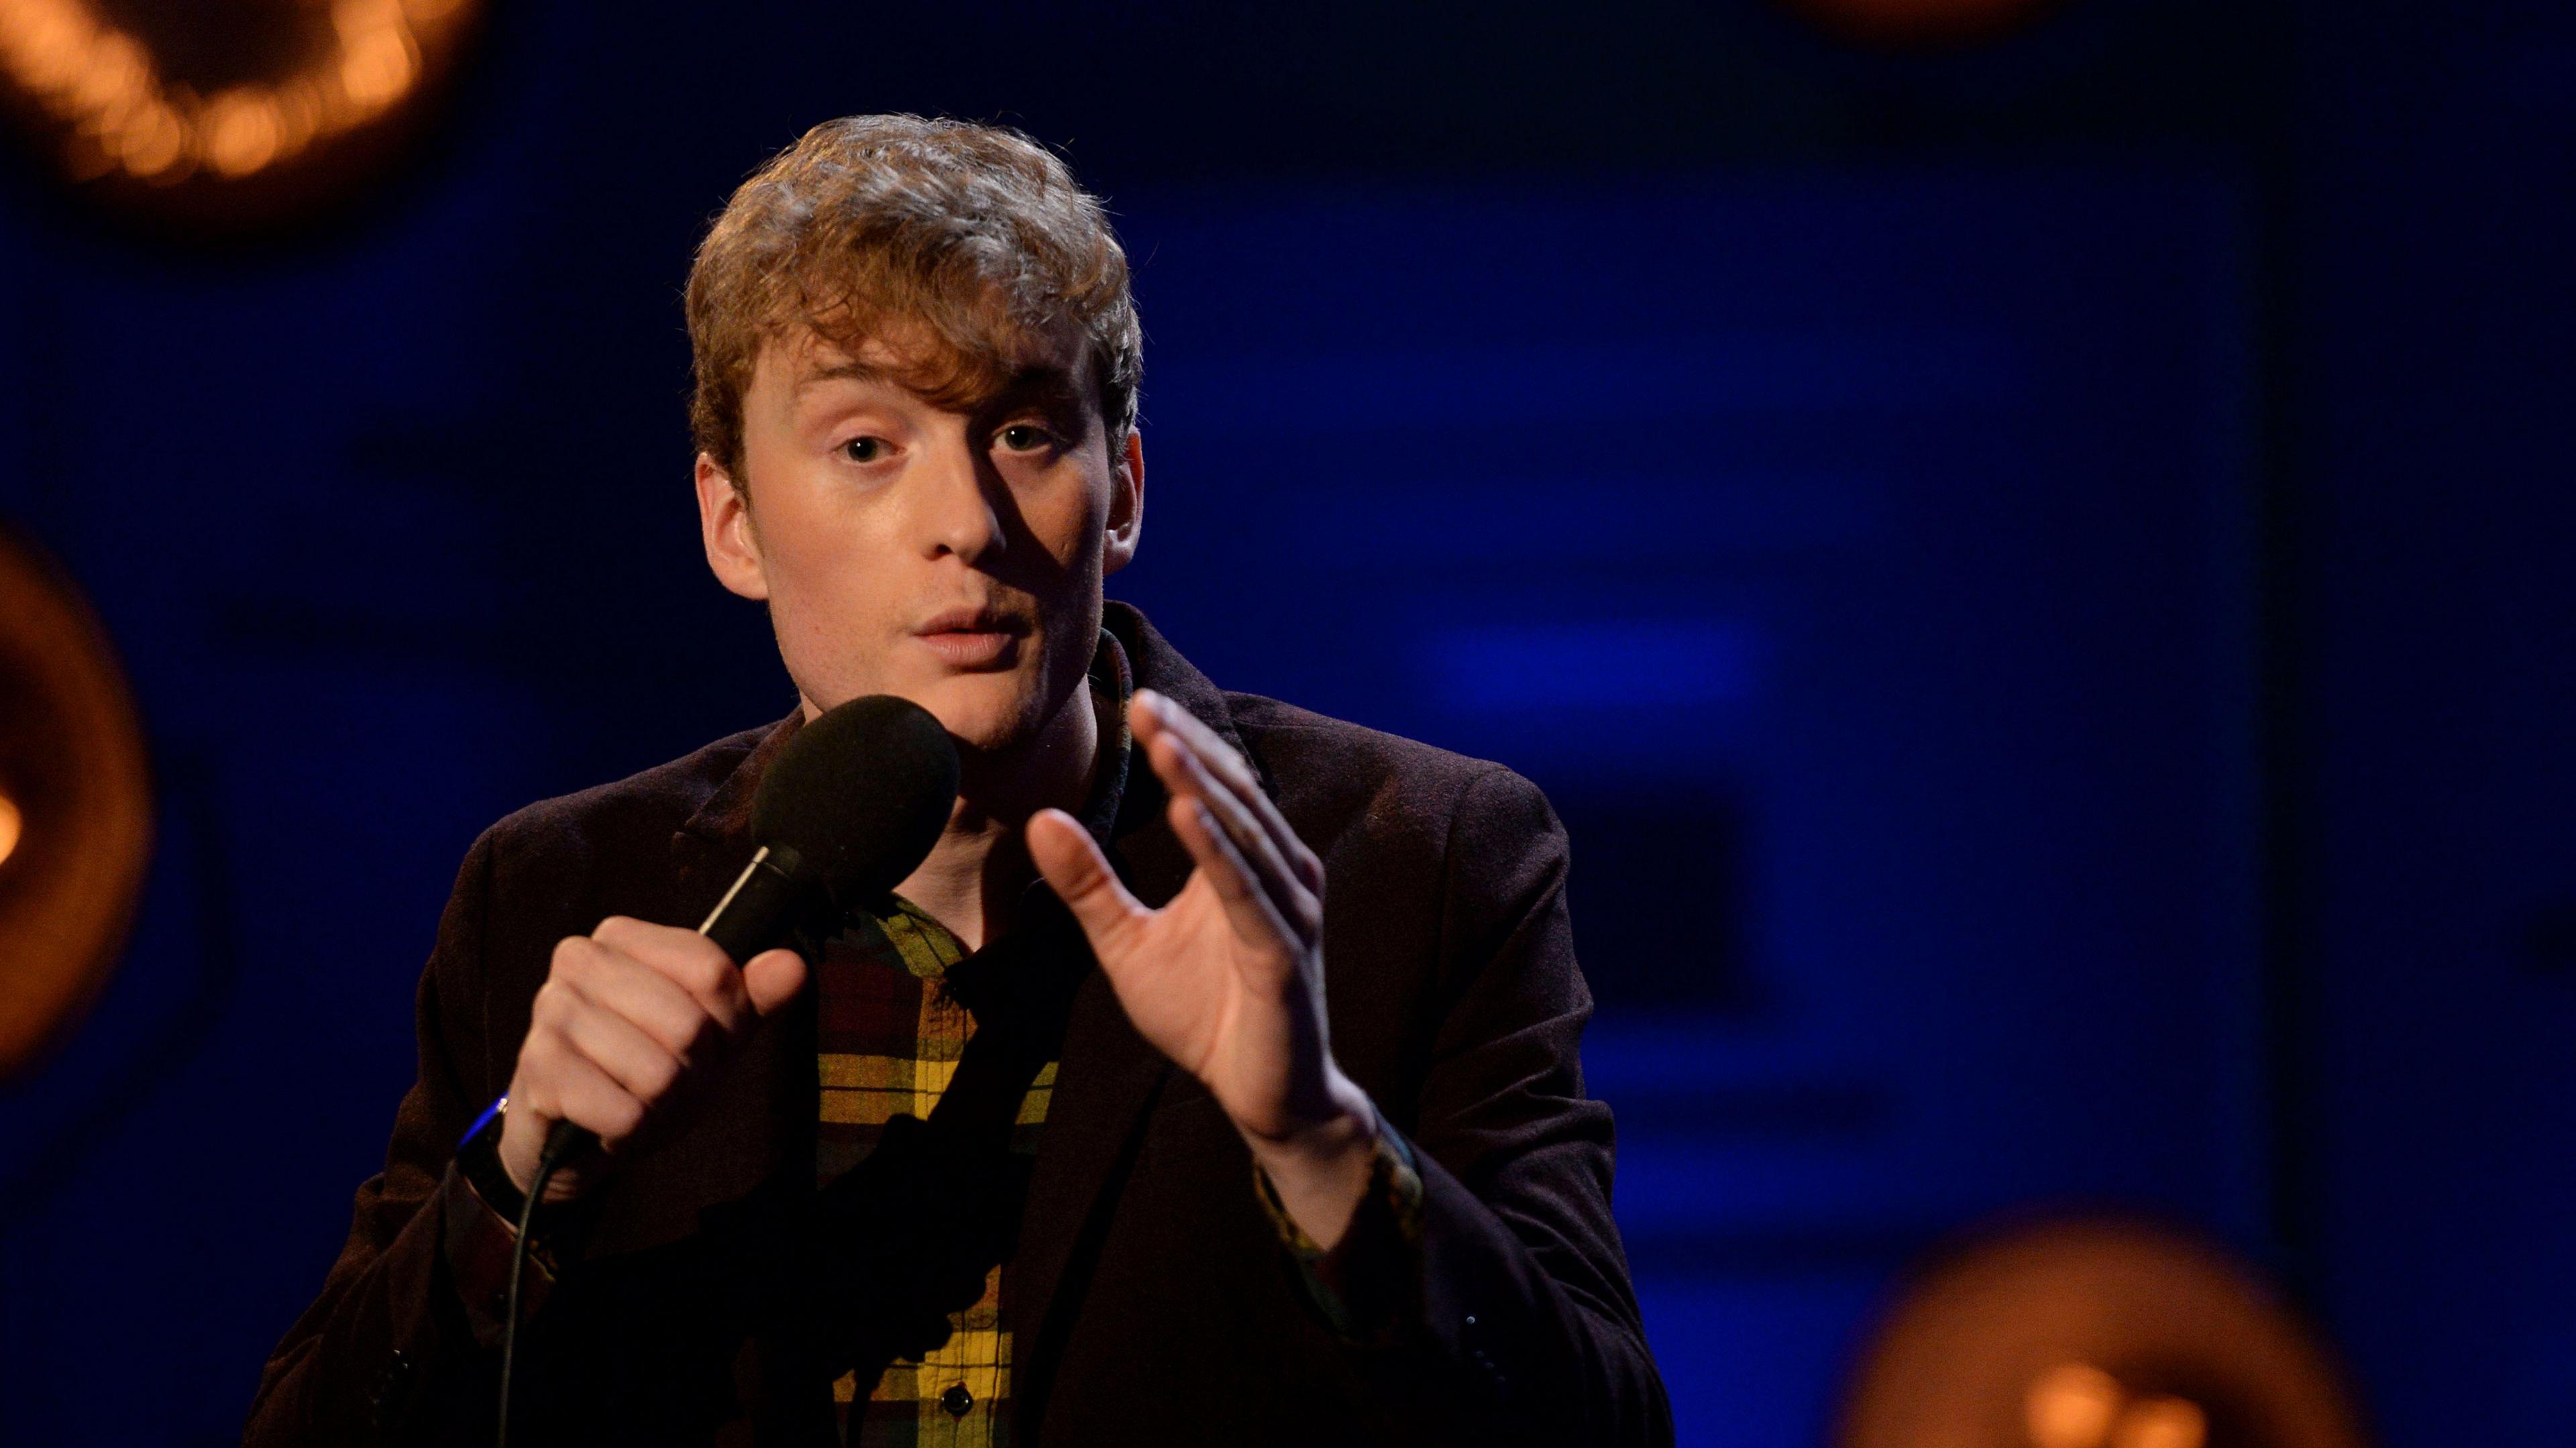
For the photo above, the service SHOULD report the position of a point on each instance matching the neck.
(973, 878)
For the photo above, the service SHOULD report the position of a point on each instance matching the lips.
(973, 638)
(971, 620)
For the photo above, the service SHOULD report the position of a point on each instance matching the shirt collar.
(1113, 682)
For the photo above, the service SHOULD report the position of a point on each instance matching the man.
(1305, 1159)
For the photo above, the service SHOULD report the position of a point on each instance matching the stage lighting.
(225, 115)
(75, 805)
(2093, 1333)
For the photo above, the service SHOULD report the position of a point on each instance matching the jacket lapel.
(1108, 1077)
(1106, 1080)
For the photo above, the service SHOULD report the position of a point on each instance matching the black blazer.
(1149, 1300)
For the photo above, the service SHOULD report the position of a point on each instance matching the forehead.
(950, 374)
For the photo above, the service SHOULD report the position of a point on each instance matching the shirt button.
(389, 1389)
(956, 1400)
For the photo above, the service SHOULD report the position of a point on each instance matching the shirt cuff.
(1367, 1287)
(478, 1234)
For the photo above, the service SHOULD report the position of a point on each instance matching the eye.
(866, 449)
(1025, 437)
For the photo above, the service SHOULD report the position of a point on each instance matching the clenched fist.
(629, 1015)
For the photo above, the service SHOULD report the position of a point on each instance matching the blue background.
(2038, 576)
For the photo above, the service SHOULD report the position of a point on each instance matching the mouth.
(973, 638)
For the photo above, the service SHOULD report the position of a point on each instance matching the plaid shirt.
(888, 1039)
(889, 1035)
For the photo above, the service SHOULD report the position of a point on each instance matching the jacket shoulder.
(1335, 777)
(665, 795)
(585, 853)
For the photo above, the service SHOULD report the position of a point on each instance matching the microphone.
(850, 807)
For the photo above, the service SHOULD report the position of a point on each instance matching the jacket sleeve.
(389, 1346)
(1527, 1320)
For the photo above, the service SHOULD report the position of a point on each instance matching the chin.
(987, 712)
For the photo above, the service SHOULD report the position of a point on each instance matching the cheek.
(819, 595)
(808, 542)
(1069, 520)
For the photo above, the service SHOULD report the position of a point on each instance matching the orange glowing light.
(76, 817)
(2077, 1405)
(2072, 1406)
(104, 88)
(2092, 1332)
(2162, 1423)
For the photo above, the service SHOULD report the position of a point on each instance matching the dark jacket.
(1150, 1300)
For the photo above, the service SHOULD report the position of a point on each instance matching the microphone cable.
(559, 1143)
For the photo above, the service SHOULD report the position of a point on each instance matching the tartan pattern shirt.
(889, 1036)
(888, 1041)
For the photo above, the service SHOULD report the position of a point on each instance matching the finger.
(1253, 845)
(772, 978)
(1227, 765)
(687, 959)
(612, 981)
(1071, 862)
(573, 1088)
(1230, 767)
(625, 1051)
(1247, 905)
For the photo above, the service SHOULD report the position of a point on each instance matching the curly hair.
(970, 238)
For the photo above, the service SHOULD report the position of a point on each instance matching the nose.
(952, 505)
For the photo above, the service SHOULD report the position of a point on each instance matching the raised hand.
(1228, 978)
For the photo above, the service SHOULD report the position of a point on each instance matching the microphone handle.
(754, 915)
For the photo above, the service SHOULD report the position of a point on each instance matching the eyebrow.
(845, 372)
(1038, 383)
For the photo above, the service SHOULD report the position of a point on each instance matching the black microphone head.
(860, 794)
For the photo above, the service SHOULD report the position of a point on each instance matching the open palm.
(1226, 979)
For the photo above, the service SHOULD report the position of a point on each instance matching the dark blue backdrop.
(2037, 577)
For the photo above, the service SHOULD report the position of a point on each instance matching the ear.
(724, 525)
(1126, 504)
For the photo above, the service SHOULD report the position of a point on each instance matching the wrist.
(1319, 1171)
(482, 1159)
(509, 1152)
(1338, 1122)
(516, 1144)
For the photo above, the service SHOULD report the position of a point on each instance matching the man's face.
(952, 558)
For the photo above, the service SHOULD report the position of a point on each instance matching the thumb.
(1079, 874)
(772, 979)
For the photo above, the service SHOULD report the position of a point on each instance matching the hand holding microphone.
(633, 1013)
(629, 1015)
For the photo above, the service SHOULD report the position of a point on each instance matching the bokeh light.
(114, 111)
(76, 810)
(2072, 1405)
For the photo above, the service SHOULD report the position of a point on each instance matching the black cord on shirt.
(558, 1146)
